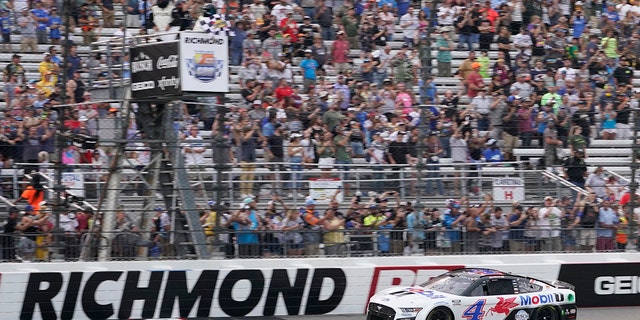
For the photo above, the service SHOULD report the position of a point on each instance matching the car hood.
(410, 297)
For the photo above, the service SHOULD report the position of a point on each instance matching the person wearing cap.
(76, 88)
(445, 45)
(552, 144)
(180, 17)
(236, 50)
(333, 237)
(475, 82)
(313, 224)
(309, 68)
(549, 226)
(608, 223)
(308, 31)
(596, 182)
(340, 53)
(517, 221)
(247, 222)
(28, 23)
(89, 24)
(47, 66)
(162, 227)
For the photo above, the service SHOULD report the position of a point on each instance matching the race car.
(476, 294)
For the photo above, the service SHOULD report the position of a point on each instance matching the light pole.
(633, 186)
(420, 146)
(221, 165)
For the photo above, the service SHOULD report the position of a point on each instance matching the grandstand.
(614, 155)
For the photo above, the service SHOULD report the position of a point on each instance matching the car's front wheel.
(545, 313)
(440, 314)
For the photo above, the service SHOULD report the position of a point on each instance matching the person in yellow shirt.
(333, 236)
(47, 66)
(47, 85)
(610, 45)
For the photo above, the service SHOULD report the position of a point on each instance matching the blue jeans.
(446, 146)
(433, 175)
(526, 138)
(483, 122)
(296, 173)
(236, 56)
(466, 38)
(378, 177)
(358, 148)
(378, 77)
(327, 33)
(345, 167)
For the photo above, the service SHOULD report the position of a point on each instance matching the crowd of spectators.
(326, 82)
(381, 224)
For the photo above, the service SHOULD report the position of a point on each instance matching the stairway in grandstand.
(615, 156)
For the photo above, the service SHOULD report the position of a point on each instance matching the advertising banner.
(154, 70)
(204, 62)
(200, 289)
(604, 284)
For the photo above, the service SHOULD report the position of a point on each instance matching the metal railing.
(230, 244)
(281, 178)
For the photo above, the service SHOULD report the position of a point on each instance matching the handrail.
(564, 182)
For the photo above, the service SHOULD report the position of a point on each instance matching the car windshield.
(448, 284)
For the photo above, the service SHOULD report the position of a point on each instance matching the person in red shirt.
(340, 53)
(490, 15)
(289, 27)
(283, 90)
(475, 83)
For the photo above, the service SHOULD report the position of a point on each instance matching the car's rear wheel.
(545, 313)
(440, 314)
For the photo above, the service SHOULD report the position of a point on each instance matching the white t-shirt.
(196, 144)
(549, 225)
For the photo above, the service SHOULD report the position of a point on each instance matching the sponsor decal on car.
(538, 299)
(522, 315)
(504, 305)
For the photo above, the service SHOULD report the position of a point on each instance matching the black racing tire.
(440, 313)
(545, 313)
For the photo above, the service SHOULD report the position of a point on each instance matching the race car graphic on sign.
(205, 67)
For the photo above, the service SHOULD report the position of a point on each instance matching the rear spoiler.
(563, 285)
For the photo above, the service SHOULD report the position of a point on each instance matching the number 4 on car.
(476, 294)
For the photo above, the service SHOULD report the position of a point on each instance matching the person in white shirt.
(481, 104)
(388, 20)
(281, 10)
(522, 42)
(549, 223)
(566, 72)
(194, 147)
(521, 87)
(446, 14)
(410, 24)
(258, 9)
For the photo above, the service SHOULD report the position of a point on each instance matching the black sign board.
(155, 70)
(604, 284)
